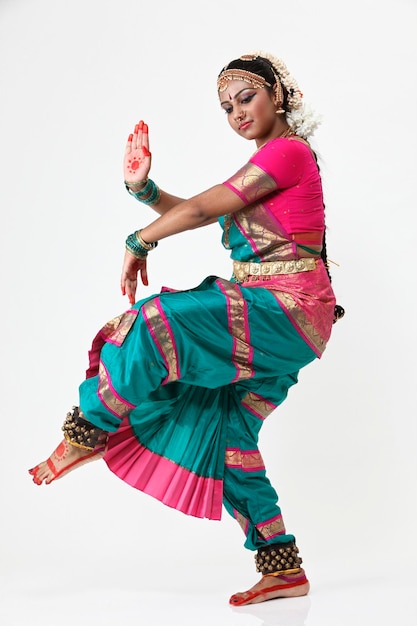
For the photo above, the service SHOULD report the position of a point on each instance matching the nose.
(240, 115)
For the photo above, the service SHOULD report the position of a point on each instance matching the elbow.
(199, 213)
(201, 217)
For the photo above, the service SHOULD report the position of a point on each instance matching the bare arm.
(176, 214)
(198, 211)
(166, 202)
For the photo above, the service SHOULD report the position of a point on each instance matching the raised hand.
(137, 159)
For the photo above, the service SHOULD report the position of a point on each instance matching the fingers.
(137, 135)
(129, 144)
(139, 139)
(128, 288)
(140, 135)
(145, 139)
(144, 276)
(128, 281)
(134, 141)
(131, 290)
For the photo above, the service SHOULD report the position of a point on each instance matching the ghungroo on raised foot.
(81, 433)
(278, 558)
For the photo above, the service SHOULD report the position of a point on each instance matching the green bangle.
(150, 194)
(137, 246)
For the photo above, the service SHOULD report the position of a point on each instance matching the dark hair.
(339, 311)
(261, 67)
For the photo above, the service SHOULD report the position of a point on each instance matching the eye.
(227, 110)
(247, 99)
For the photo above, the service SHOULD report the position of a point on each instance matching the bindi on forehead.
(236, 95)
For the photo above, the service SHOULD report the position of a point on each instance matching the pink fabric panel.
(298, 202)
(161, 478)
(298, 205)
(284, 160)
(313, 295)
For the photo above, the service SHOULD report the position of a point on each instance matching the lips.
(245, 125)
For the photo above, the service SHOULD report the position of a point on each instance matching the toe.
(238, 599)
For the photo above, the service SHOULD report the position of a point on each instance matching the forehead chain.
(248, 77)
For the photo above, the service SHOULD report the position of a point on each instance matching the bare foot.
(63, 460)
(271, 587)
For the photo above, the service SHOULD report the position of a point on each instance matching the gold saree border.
(246, 460)
(117, 329)
(271, 528)
(108, 395)
(238, 328)
(256, 221)
(161, 332)
(258, 405)
(252, 182)
(300, 320)
(242, 521)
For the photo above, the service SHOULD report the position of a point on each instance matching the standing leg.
(250, 498)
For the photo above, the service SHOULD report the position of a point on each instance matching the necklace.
(287, 132)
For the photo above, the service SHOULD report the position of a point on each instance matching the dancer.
(178, 386)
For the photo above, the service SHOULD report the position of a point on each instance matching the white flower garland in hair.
(301, 117)
(303, 121)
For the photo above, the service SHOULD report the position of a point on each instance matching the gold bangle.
(138, 185)
(143, 243)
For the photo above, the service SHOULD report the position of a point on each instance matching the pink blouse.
(284, 173)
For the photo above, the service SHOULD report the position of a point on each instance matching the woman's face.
(250, 111)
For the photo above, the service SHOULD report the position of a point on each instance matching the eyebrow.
(234, 97)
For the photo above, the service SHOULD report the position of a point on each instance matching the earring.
(278, 97)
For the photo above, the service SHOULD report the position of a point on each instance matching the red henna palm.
(137, 160)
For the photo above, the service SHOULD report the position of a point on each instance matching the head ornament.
(248, 77)
(300, 117)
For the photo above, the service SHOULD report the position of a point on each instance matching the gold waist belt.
(272, 268)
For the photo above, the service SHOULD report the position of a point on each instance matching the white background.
(75, 78)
